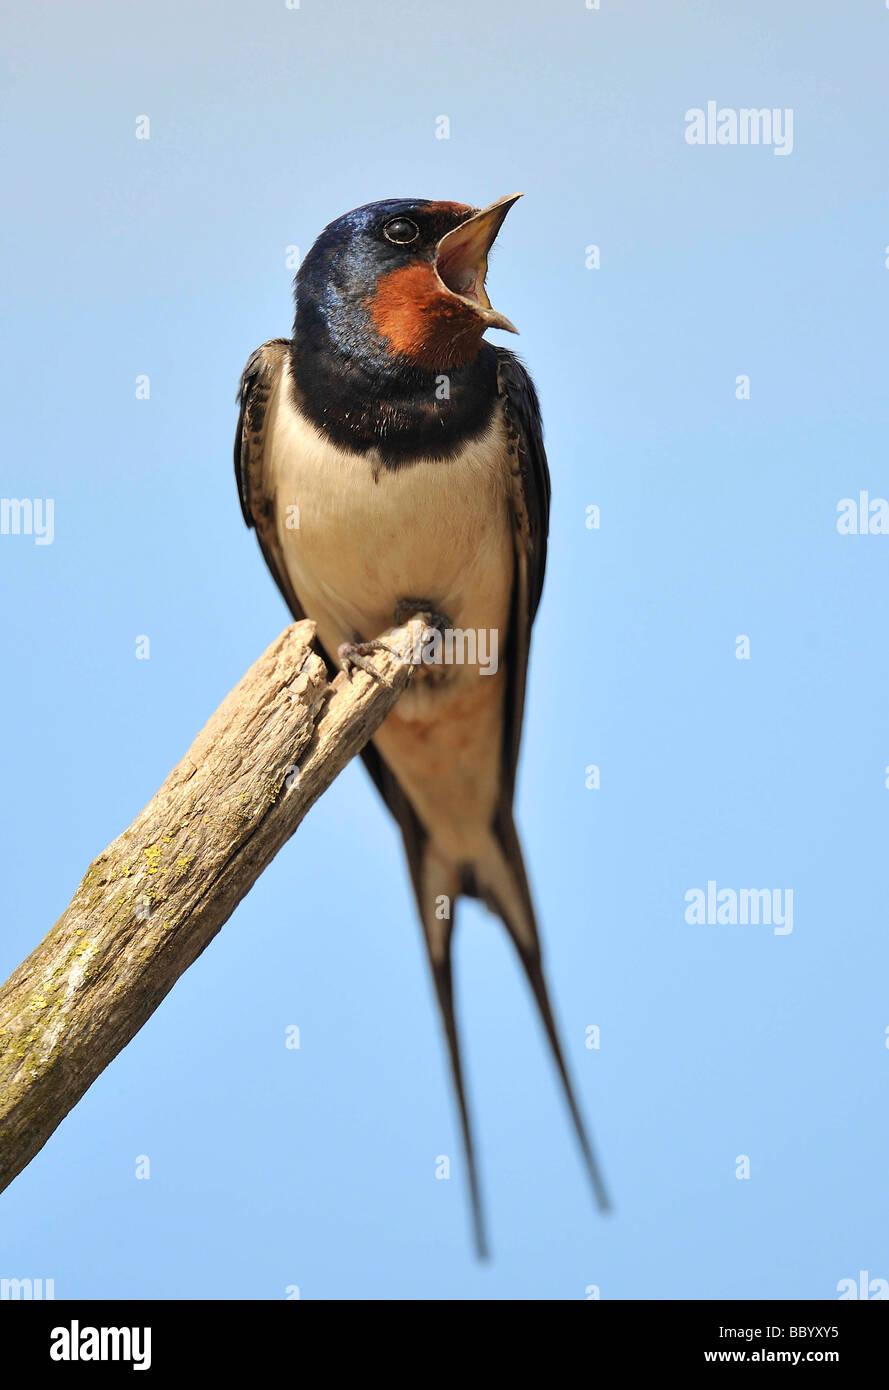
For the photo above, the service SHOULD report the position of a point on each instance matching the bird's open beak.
(461, 260)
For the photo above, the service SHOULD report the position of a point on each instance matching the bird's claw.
(353, 654)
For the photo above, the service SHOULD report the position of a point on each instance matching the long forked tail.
(497, 876)
(438, 892)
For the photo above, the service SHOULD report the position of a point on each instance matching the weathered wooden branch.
(152, 901)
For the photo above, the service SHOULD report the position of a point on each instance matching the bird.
(409, 452)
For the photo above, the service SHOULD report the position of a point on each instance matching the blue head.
(400, 284)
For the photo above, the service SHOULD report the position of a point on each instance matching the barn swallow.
(409, 451)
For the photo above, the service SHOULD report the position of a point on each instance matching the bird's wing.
(259, 380)
(530, 498)
(530, 512)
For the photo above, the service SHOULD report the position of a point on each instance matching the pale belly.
(369, 538)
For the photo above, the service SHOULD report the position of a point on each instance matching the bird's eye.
(401, 230)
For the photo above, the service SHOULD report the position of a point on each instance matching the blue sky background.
(272, 1167)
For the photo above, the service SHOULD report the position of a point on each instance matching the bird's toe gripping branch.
(352, 654)
(414, 617)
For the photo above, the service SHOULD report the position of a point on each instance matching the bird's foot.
(357, 653)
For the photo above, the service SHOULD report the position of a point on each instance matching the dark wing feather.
(530, 511)
(259, 380)
(530, 503)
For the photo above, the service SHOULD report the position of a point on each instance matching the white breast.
(368, 537)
